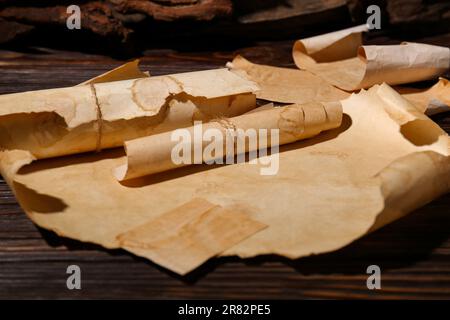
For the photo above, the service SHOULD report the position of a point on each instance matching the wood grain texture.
(413, 253)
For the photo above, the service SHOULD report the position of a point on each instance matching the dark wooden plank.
(413, 253)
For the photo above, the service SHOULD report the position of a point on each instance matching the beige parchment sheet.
(386, 159)
(341, 59)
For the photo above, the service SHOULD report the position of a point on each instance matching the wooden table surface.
(413, 253)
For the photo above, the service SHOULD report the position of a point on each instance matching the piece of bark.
(271, 19)
(118, 19)
(270, 10)
(110, 19)
(268, 19)
(96, 16)
(406, 11)
(169, 10)
(11, 30)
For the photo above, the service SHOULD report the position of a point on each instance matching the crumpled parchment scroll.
(341, 59)
(153, 154)
(97, 116)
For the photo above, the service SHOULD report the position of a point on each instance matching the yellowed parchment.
(153, 154)
(385, 160)
(341, 59)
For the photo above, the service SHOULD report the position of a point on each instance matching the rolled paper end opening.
(334, 114)
(300, 55)
(120, 173)
(362, 54)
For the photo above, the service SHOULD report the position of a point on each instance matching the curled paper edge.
(127, 71)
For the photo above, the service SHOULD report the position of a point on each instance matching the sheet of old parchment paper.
(385, 160)
(341, 59)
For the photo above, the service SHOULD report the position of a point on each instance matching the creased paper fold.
(187, 236)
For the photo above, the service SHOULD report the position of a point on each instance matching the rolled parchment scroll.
(152, 154)
(95, 116)
(341, 59)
